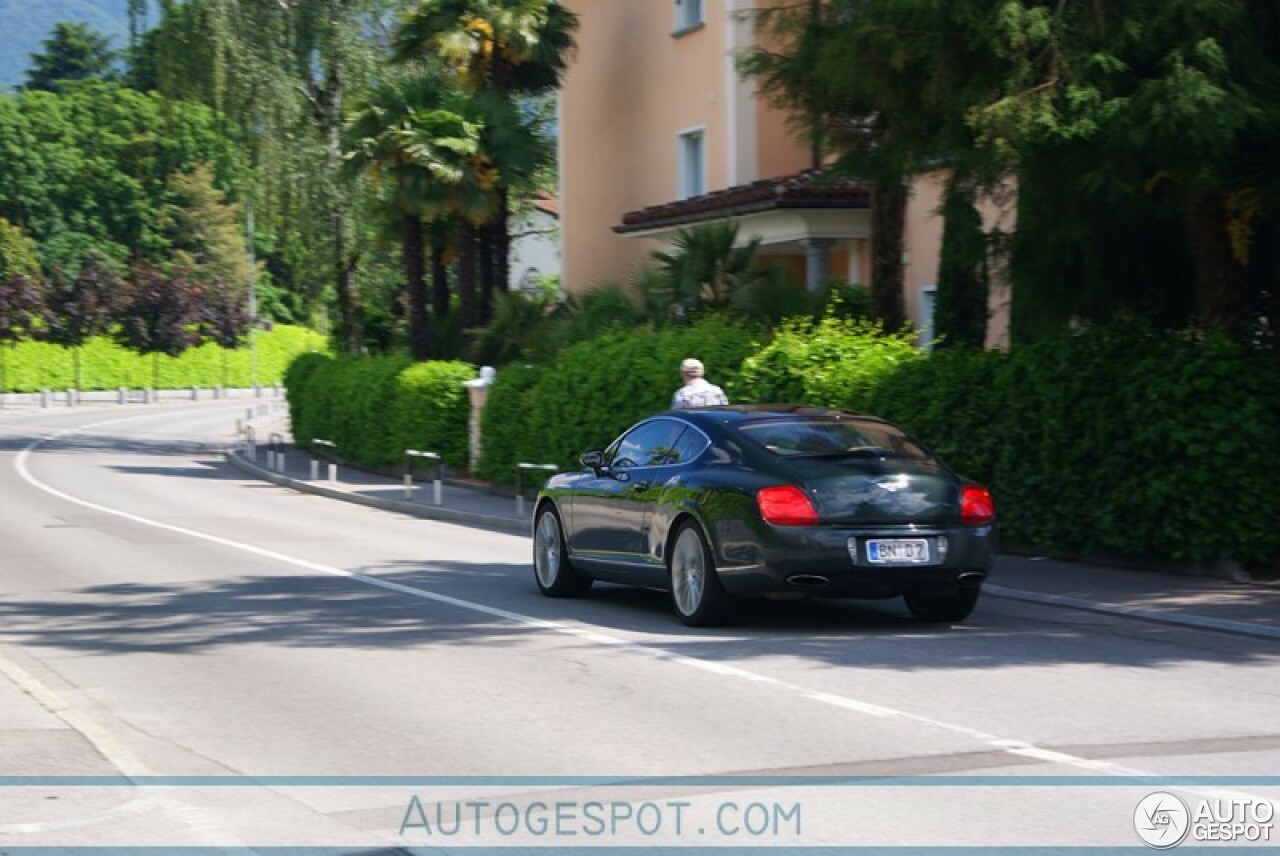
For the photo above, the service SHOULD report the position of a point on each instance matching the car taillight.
(786, 506)
(976, 506)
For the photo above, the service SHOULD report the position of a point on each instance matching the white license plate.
(898, 551)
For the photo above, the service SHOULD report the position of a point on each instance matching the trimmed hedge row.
(596, 389)
(374, 408)
(1120, 441)
(33, 366)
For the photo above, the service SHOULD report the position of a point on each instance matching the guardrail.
(315, 464)
(437, 486)
(521, 469)
(72, 397)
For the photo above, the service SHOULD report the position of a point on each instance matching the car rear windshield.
(834, 438)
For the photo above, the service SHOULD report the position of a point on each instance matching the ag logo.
(1162, 820)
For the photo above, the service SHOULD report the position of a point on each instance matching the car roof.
(736, 414)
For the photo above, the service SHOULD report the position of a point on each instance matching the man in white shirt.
(697, 391)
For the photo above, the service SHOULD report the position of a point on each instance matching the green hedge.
(1118, 441)
(835, 362)
(33, 366)
(596, 389)
(374, 408)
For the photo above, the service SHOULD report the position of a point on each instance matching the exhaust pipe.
(808, 580)
(971, 577)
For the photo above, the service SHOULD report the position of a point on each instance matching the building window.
(693, 163)
(928, 303)
(688, 16)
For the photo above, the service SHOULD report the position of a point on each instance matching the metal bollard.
(333, 468)
(437, 492)
(122, 395)
(195, 393)
(520, 469)
(277, 446)
(251, 438)
(315, 470)
(45, 397)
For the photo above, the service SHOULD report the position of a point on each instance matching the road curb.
(1199, 622)
(429, 512)
(506, 524)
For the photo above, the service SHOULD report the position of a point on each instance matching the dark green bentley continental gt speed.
(724, 503)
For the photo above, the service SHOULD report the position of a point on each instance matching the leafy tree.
(20, 310)
(960, 313)
(1125, 124)
(159, 314)
(73, 51)
(853, 101)
(17, 252)
(21, 298)
(281, 75)
(224, 318)
(87, 170)
(1176, 92)
(86, 306)
(202, 230)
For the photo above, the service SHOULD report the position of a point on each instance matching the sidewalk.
(1250, 609)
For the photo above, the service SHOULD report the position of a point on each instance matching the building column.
(816, 268)
(855, 262)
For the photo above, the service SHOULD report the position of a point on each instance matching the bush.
(835, 362)
(596, 389)
(505, 422)
(1119, 440)
(376, 408)
(432, 410)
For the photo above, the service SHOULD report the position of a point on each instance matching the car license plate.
(898, 551)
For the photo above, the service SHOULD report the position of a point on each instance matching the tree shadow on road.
(404, 605)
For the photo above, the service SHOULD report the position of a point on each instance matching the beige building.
(659, 132)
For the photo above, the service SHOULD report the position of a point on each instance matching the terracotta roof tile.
(808, 189)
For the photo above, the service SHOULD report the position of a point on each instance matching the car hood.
(881, 491)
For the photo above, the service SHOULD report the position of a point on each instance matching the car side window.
(649, 445)
(690, 445)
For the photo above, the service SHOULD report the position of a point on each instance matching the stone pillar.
(816, 267)
(479, 392)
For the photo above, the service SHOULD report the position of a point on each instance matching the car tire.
(552, 571)
(699, 598)
(945, 607)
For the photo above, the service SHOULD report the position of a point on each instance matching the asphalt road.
(192, 658)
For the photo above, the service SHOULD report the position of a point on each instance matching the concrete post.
(478, 389)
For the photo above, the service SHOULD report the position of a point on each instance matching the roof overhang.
(810, 205)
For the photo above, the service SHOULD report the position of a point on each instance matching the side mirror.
(593, 461)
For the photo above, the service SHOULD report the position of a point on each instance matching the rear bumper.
(834, 562)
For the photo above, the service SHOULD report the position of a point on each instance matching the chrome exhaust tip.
(971, 577)
(808, 580)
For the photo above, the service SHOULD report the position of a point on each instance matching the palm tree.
(516, 47)
(510, 48)
(415, 134)
(705, 268)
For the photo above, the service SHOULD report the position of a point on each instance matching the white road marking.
(1016, 748)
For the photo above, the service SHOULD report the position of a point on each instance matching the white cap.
(692, 367)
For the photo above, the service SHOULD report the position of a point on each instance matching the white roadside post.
(478, 390)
